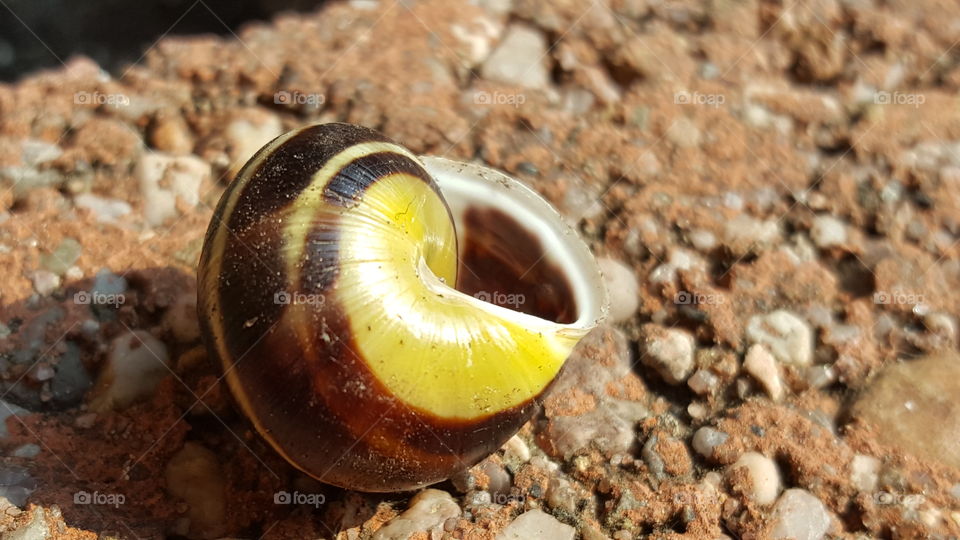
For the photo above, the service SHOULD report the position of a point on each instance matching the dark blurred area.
(39, 34)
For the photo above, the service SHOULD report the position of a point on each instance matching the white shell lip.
(466, 185)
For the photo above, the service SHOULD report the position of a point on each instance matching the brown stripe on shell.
(353, 179)
(285, 173)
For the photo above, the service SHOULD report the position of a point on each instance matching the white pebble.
(104, 210)
(671, 353)
(247, 133)
(799, 515)
(763, 367)
(745, 234)
(45, 282)
(684, 133)
(623, 288)
(427, 512)
(787, 336)
(702, 239)
(181, 319)
(764, 476)
(828, 231)
(164, 179)
(703, 382)
(537, 524)
(135, 366)
(515, 449)
(518, 59)
(864, 472)
(706, 439)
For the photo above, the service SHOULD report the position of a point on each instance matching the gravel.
(707, 439)
(669, 351)
(519, 59)
(763, 367)
(136, 364)
(799, 515)
(427, 512)
(763, 474)
(828, 231)
(788, 337)
(536, 524)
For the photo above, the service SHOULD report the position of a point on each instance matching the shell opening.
(516, 250)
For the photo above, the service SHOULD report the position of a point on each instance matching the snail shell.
(326, 293)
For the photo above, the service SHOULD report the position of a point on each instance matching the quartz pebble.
(828, 231)
(864, 472)
(745, 234)
(247, 133)
(427, 512)
(788, 337)
(536, 524)
(164, 179)
(136, 364)
(798, 515)
(764, 477)
(45, 282)
(35, 529)
(104, 210)
(669, 351)
(763, 367)
(518, 59)
(703, 382)
(706, 439)
(623, 288)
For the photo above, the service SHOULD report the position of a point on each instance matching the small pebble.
(703, 382)
(103, 209)
(764, 477)
(707, 439)
(427, 512)
(684, 133)
(788, 337)
(744, 234)
(669, 351)
(136, 364)
(35, 529)
(180, 319)
(820, 375)
(798, 515)
(16, 484)
(247, 133)
(45, 282)
(164, 179)
(828, 231)
(519, 59)
(63, 257)
(763, 367)
(864, 472)
(536, 524)
(28, 451)
(623, 288)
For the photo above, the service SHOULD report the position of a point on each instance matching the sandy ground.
(773, 189)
